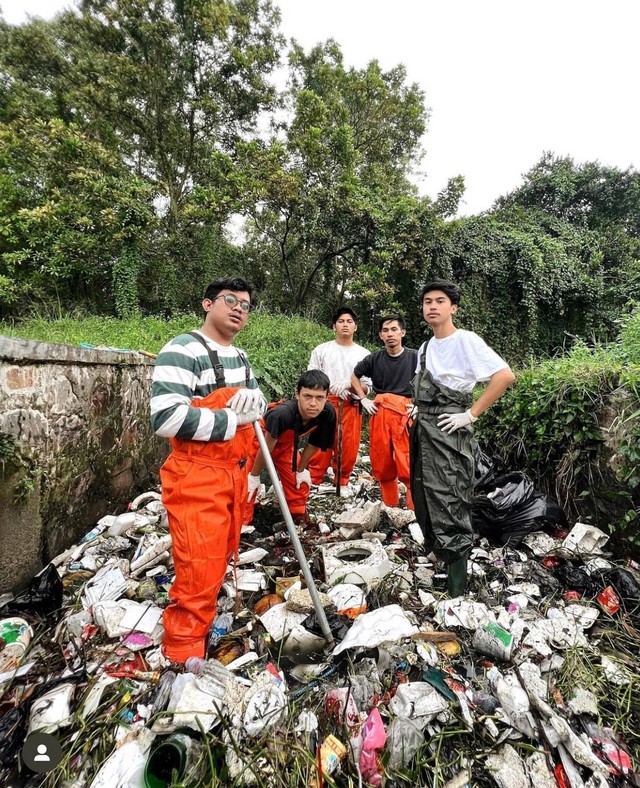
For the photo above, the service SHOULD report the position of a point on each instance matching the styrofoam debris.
(417, 533)
(253, 556)
(585, 539)
(460, 612)
(583, 702)
(400, 518)
(507, 768)
(124, 616)
(108, 583)
(245, 580)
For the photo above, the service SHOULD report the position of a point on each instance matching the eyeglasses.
(231, 301)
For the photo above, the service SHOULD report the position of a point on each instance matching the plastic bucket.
(168, 761)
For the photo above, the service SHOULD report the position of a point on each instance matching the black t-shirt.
(389, 374)
(287, 417)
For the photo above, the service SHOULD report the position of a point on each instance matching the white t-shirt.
(337, 361)
(460, 360)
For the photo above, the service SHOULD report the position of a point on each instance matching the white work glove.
(369, 405)
(341, 390)
(245, 400)
(254, 488)
(412, 410)
(303, 477)
(249, 416)
(450, 422)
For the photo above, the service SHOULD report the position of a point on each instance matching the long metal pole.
(339, 455)
(297, 546)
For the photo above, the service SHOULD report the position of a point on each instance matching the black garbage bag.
(577, 578)
(12, 734)
(626, 586)
(43, 596)
(338, 625)
(486, 470)
(513, 508)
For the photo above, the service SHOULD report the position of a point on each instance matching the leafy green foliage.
(111, 116)
(573, 423)
(322, 194)
(68, 207)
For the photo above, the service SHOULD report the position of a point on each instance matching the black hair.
(313, 379)
(450, 289)
(386, 318)
(237, 284)
(343, 310)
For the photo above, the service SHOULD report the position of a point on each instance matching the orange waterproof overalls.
(351, 431)
(204, 487)
(285, 457)
(389, 447)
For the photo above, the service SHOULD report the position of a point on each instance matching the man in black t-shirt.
(308, 416)
(391, 371)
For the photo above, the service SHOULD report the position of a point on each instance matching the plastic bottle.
(163, 692)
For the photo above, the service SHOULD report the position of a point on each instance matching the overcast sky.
(504, 80)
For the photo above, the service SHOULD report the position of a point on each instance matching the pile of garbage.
(530, 679)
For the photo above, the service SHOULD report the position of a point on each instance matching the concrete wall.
(75, 444)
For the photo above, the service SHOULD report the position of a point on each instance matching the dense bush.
(573, 423)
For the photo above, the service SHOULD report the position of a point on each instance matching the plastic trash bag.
(513, 508)
(486, 470)
(12, 734)
(404, 739)
(43, 595)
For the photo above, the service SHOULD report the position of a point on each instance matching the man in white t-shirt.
(442, 460)
(337, 359)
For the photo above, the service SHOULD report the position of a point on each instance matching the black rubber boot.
(457, 576)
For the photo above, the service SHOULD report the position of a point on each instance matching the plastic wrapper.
(404, 739)
(374, 738)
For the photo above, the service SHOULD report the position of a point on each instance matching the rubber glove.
(254, 486)
(450, 422)
(412, 410)
(249, 416)
(303, 477)
(341, 390)
(247, 399)
(369, 405)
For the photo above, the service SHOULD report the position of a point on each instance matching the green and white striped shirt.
(183, 372)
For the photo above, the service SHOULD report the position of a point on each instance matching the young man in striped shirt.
(204, 398)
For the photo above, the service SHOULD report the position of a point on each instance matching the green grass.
(279, 346)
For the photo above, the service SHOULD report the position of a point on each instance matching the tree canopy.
(132, 132)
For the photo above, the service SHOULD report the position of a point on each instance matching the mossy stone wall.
(75, 443)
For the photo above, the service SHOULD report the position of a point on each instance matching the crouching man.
(309, 416)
